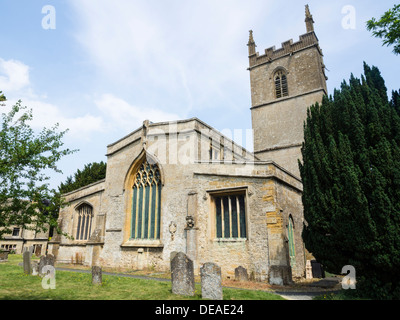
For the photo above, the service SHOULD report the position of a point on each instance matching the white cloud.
(16, 85)
(191, 52)
(14, 75)
(120, 114)
(46, 115)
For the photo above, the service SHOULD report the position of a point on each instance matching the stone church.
(184, 186)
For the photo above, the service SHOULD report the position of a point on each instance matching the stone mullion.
(230, 216)
(83, 221)
(238, 216)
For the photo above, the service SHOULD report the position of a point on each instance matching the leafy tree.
(387, 27)
(91, 173)
(25, 198)
(351, 179)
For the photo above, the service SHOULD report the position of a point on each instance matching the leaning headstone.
(97, 277)
(182, 275)
(211, 287)
(47, 260)
(241, 274)
(27, 262)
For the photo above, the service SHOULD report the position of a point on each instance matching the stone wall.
(278, 123)
(198, 180)
(67, 248)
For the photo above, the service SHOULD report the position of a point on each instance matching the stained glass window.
(230, 216)
(146, 203)
(290, 232)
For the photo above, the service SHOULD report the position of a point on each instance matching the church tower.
(284, 83)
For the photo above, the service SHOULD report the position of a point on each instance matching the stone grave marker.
(182, 275)
(211, 286)
(317, 269)
(45, 261)
(97, 276)
(35, 268)
(3, 256)
(241, 274)
(27, 262)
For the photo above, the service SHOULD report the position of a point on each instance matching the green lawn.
(15, 285)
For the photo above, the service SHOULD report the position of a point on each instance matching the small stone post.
(27, 262)
(97, 276)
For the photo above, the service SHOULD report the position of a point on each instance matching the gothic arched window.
(146, 203)
(290, 233)
(281, 86)
(85, 217)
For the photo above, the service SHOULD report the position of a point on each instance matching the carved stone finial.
(309, 20)
(251, 44)
(144, 133)
(251, 39)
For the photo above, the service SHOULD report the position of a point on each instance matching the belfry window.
(230, 216)
(146, 203)
(85, 217)
(281, 86)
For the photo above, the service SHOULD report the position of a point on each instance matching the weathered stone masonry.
(184, 187)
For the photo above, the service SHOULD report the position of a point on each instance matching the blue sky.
(109, 65)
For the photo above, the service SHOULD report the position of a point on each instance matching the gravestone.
(27, 262)
(47, 260)
(3, 256)
(241, 274)
(182, 275)
(211, 287)
(97, 277)
(317, 269)
(35, 268)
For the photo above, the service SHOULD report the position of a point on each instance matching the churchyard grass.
(15, 285)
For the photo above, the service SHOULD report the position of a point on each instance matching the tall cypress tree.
(351, 179)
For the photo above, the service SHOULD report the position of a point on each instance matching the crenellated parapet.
(288, 48)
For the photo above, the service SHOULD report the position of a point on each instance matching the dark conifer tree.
(91, 173)
(351, 178)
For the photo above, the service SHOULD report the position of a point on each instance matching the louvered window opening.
(281, 86)
(85, 217)
(146, 203)
(230, 216)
